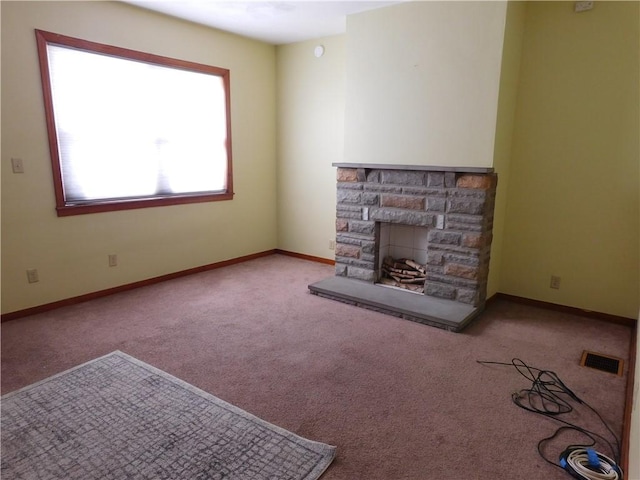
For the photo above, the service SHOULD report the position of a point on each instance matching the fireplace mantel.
(421, 168)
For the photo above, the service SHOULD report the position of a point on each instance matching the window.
(129, 129)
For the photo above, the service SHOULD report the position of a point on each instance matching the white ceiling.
(275, 22)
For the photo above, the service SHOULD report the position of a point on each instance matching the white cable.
(578, 460)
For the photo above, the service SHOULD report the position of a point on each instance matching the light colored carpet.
(401, 400)
(116, 417)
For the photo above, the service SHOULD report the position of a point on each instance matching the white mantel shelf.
(427, 168)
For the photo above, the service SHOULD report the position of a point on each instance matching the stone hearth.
(456, 207)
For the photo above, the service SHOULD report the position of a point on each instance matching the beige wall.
(311, 95)
(71, 253)
(422, 83)
(576, 110)
(572, 200)
(634, 440)
(509, 81)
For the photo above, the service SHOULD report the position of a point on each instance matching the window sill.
(112, 206)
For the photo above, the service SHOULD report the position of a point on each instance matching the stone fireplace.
(445, 216)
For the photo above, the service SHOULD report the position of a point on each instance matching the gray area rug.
(119, 418)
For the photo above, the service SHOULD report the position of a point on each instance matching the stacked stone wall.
(455, 207)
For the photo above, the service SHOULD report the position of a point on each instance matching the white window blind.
(128, 129)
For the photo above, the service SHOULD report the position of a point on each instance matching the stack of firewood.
(403, 273)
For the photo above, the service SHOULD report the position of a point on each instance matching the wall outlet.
(32, 275)
(113, 260)
(332, 244)
(555, 282)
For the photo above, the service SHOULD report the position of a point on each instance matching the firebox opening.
(402, 257)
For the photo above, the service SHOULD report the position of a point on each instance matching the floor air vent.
(602, 362)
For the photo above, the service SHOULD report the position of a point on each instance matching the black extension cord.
(550, 397)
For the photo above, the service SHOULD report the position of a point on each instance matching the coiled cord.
(587, 464)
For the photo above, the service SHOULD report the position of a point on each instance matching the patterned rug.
(119, 418)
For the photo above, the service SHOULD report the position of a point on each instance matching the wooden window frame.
(63, 208)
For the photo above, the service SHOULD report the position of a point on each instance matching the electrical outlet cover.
(32, 275)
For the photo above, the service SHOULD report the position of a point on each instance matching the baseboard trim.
(130, 286)
(629, 322)
(326, 261)
(625, 443)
